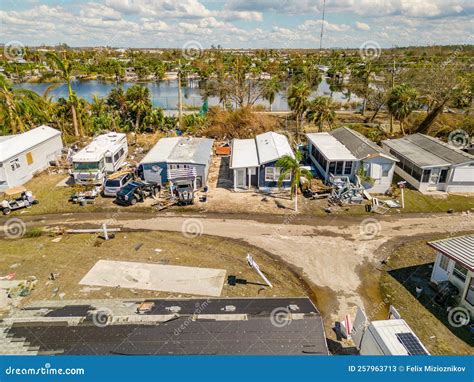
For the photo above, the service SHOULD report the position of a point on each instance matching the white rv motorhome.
(385, 337)
(104, 155)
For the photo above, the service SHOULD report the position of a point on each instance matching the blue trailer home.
(253, 161)
(178, 159)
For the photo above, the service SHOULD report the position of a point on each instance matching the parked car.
(17, 198)
(114, 183)
(135, 192)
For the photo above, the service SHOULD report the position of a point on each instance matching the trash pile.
(345, 192)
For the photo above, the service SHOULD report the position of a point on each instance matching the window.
(444, 262)
(443, 175)
(332, 168)
(15, 164)
(348, 168)
(108, 159)
(339, 168)
(386, 169)
(460, 272)
(116, 157)
(269, 174)
(272, 174)
(470, 292)
(426, 176)
(29, 158)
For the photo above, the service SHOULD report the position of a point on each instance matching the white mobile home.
(341, 152)
(23, 155)
(177, 160)
(104, 155)
(429, 164)
(455, 263)
(253, 161)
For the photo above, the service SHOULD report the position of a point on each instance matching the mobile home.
(429, 164)
(455, 263)
(253, 161)
(104, 155)
(178, 160)
(23, 155)
(343, 151)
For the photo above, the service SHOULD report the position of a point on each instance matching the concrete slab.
(166, 278)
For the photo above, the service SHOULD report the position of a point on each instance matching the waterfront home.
(253, 161)
(429, 164)
(23, 155)
(177, 160)
(343, 152)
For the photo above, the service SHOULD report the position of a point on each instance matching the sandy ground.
(333, 256)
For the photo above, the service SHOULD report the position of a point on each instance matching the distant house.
(455, 263)
(178, 159)
(341, 152)
(23, 155)
(429, 164)
(253, 161)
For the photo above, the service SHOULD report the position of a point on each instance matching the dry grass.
(74, 256)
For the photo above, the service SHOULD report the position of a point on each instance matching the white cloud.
(362, 26)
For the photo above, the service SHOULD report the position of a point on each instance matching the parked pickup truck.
(135, 192)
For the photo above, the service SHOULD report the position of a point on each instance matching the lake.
(164, 94)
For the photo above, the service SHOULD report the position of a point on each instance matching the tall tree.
(321, 110)
(20, 109)
(138, 102)
(402, 100)
(298, 94)
(292, 166)
(271, 88)
(65, 69)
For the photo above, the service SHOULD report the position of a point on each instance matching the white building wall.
(17, 169)
(382, 183)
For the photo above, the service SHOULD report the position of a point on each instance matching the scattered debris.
(138, 246)
(56, 240)
(10, 276)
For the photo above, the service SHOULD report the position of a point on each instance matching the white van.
(106, 154)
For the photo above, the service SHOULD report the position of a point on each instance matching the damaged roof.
(180, 150)
(253, 326)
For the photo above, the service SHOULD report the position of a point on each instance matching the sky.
(237, 23)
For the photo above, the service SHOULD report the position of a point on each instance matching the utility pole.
(322, 32)
(393, 84)
(180, 101)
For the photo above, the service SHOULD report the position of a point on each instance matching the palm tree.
(321, 110)
(402, 100)
(19, 108)
(138, 102)
(290, 165)
(66, 74)
(271, 89)
(298, 95)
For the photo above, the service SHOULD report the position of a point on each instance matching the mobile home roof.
(330, 147)
(460, 249)
(16, 144)
(244, 153)
(180, 150)
(272, 146)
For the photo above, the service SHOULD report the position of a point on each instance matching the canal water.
(164, 94)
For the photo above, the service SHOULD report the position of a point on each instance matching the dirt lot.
(74, 255)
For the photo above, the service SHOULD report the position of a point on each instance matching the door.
(240, 178)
